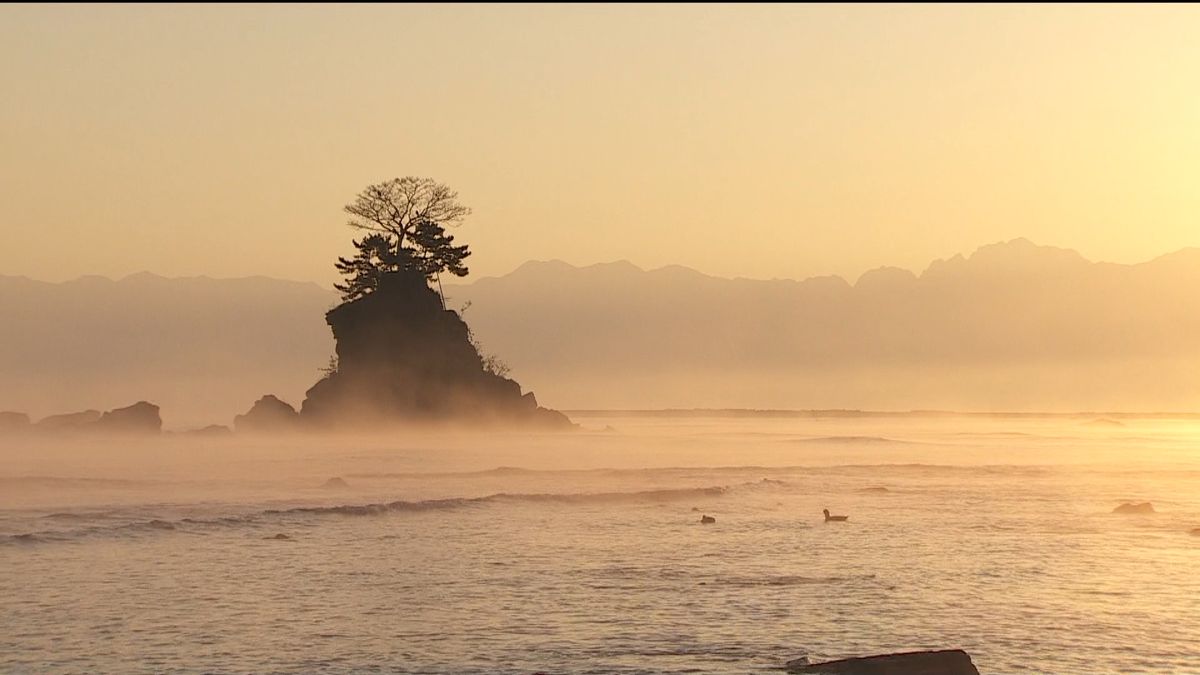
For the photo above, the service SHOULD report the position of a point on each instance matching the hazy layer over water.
(585, 554)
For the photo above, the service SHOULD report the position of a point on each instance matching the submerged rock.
(941, 662)
(140, 418)
(335, 483)
(268, 414)
(403, 357)
(874, 488)
(1130, 507)
(1196, 532)
(279, 537)
(212, 430)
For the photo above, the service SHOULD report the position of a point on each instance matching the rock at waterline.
(940, 662)
(279, 537)
(211, 431)
(140, 418)
(1130, 507)
(706, 520)
(268, 414)
(403, 357)
(68, 421)
(335, 483)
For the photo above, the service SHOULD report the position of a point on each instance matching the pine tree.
(407, 218)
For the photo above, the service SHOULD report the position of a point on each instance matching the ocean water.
(583, 552)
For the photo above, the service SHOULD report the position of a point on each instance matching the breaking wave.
(377, 509)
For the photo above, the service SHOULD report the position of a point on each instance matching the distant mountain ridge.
(1012, 326)
(201, 348)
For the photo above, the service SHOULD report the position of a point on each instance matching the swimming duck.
(834, 518)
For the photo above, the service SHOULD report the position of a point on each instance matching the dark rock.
(403, 357)
(706, 520)
(139, 418)
(1129, 507)
(941, 662)
(68, 421)
(13, 421)
(279, 537)
(335, 483)
(268, 414)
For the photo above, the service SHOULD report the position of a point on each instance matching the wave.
(670, 494)
(13, 482)
(788, 580)
(857, 440)
(268, 515)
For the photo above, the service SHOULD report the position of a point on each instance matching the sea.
(497, 551)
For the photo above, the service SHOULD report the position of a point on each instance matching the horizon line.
(855, 412)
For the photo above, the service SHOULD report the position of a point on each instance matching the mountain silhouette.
(1013, 326)
(203, 349)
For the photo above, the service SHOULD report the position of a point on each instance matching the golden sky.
(780, 141)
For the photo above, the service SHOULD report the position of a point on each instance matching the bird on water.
(836, 519)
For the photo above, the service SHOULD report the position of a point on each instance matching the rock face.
(402, 357)
(268, 414)
(139, 418)
(942, 662)
(1129, 507)
(13, 421)
(79, 421)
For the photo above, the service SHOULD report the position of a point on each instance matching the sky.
(756, 141)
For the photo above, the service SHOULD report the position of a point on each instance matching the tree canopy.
(407, 220)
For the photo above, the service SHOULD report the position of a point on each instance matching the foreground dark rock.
(1129, 507)
(140, 418)
(941, 662)
(402, 357)
(268, 414)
